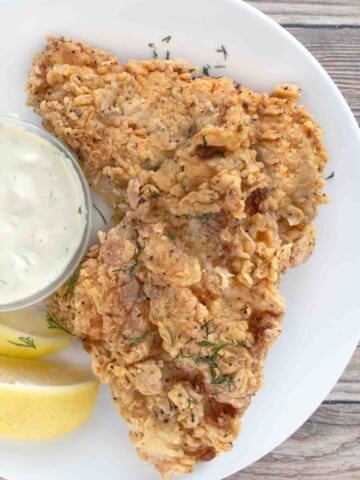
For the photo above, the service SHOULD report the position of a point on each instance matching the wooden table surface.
(327, 446)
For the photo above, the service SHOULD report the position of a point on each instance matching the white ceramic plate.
(322, 325)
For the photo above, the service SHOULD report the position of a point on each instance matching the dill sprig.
(136, 340)
(181, 355)
(27, 342)
(206, 327)
(332, 175)
(134, 265)
(205, 70)
(72, 281)
(54, 324)
(153, 48)
(228, 380)
(223, 50)
(166, 39)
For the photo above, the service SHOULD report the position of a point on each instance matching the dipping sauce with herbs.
(43, 212)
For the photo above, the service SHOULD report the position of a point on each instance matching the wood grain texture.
(338, 50)
(311, 12)
(327, 446)
(348, 387)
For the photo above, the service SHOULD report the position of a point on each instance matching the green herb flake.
(79, 210)
(136, 340)
(181, 355)
(171, 236)
(206, 327)
(54, 324)
(27, 342)
(329, 177)
(223, 50)
(153, 48)
(166, 39)
(167, 55)
(205, 70)
(205, 343)
(226, 380)
(133, 266)
(72, 281)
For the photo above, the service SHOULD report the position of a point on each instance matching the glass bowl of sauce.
(45, 210)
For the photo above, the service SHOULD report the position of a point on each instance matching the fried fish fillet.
(215, 188)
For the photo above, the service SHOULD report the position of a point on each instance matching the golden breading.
(215, 188)
(127, 121)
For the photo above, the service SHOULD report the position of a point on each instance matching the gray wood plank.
(338, 50)
(326, 448)
(311, 12)
(348, 387)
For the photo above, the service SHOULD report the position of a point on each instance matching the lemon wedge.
(31, 333)
(43, 399)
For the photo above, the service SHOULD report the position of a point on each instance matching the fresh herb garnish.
(216, 347)
(136, 340)
(166, 39)
(211, 358)
(170, 236)
(79, 210)
(26, 342)
(133, 266)
(217, 377)
(332, 175)
(223, 50)
(205, 70)
(153, 48)
(219, 66)
(53, 324)
(100, 213)
(182, 355)
(72, 281)
(167, 55)
(137, 262)
(223, 379)
(205, 343)
(206, 326)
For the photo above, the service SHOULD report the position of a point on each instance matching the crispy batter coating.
(215, 188)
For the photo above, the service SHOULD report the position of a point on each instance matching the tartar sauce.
(42, 213)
